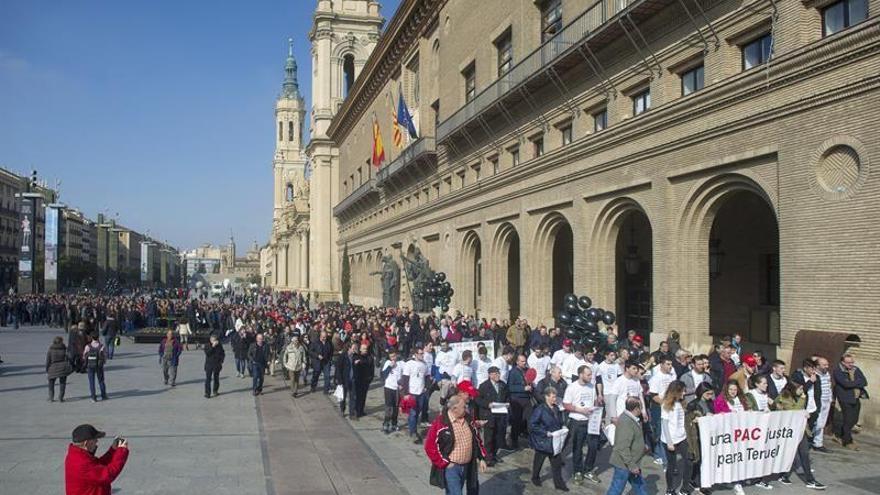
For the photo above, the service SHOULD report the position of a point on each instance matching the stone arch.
(553, 264)
(468, 296)
(505, 257)
(609, 275)
(695, 226)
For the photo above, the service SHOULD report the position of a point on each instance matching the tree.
(346, 275)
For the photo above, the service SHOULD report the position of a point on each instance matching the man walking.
(849, 388)
(520, 401)
(364, 371)
(214, 356)
(85, 474)
(455, 450)
(493, 392)
(345, 378)
(412, 383)
(294, 359)
(111, 330)
(585, 418)
(94, 358)
(628, 451)
(322, 353)
(258, 355)
(391, 373)
(825, 400)
(169, 357)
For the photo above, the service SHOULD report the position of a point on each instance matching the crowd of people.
(517, 384)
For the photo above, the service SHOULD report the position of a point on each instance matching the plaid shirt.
(464, 449)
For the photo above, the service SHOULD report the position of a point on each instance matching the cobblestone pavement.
(234, 444)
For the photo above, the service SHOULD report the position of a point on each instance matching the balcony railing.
(410, 155)
(571, 36)
(355, 197)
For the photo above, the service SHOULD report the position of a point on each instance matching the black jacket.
(321, 351)
(488, 396)
(259, 355)
(538, 390)
(214, 356)
(771, 387)
(844, 388)
(343, 369)
(364, 371)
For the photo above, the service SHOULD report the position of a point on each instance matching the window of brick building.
(692, 80)
(757, 52)
(566, 133)
(641, 101)
(841, 15)
(470, 82)
(600, 120)
(514, 156)
(538, 146)
(551, 19)
(504, 46)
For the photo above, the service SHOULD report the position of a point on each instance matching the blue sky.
(160, 111)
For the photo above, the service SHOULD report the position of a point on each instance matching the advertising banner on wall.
(145, 262)
(26, 252)
(748, 445)
(51, 258)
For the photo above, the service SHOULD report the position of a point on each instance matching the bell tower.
(343, 35)
(289, 162)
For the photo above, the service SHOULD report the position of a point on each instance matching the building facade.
(694, 166)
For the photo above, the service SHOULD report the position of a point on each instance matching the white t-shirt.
(446, 361)
(394, 375)
(462, 372)
(736, 406)
(580, 396)
(540, 365)
(609, 372)
(570, 366)
(416, 371)
(672, 428)
(780, 383)
(429, 360)
(762, 400)
(503, 367)
(559, 356)
(660, 381)
(482, 370)
(624, 388)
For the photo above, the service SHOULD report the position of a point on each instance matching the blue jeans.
(618, 482)
(413, 419)
(99, 373)
(241, 366)
(659, 451)
(257, 372)
(578, 431)
(109, 343)
(317, 371)
(456, 477)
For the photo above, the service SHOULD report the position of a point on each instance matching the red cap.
(638, 338)
(750, 360)
(467, 387)
(566, 342)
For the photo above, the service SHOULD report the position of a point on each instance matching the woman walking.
(546, 419)
(702, 406)
(793, 398)
(673, 435)
(58, 367)
(732, 399)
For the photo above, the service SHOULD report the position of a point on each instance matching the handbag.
(339, 393)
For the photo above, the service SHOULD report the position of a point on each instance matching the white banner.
(748, 445)
(460, 347)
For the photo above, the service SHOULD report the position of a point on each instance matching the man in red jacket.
(85, 474)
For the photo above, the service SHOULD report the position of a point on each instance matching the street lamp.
(716, 257)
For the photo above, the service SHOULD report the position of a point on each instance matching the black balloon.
(563, 318)
(585, 302)
(451, 292)
(590, 326)
(571, 333)
(572, 308)
(571, 299)
(578, 322)
(441, 276)
(593, 314)
(609, 318)
(445, 308)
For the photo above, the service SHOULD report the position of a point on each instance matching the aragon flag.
(378, 149)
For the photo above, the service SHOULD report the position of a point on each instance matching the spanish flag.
(378, 149)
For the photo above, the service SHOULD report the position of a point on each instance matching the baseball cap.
(493, 369)
(467, 387)
(750, 360)
(566, 342)
(637, 338)
(86, 432)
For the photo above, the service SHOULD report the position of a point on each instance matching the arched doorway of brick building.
(563, 265)
(507, 256)
(744, 283)
(634, 274)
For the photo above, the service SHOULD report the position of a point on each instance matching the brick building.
(700, 166)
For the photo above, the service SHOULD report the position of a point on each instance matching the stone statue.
(418, 270)
(390, 277)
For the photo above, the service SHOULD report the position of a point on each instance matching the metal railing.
(354, 197)
(407, 156)
(570, 36)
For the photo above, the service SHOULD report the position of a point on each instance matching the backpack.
(94, 358)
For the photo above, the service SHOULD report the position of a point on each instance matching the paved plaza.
(236, 444)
